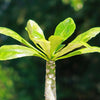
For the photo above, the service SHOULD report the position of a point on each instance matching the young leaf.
(68, 48)
(81, 51)
(55, 41)
(86, 36)
(71, 46)
(79, 41)
(34, 31)
(36, 35)
(65, 28)
(61, 46)
(13, 34)
(44, 46)
(15, 51)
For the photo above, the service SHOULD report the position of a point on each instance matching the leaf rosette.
(53, 48)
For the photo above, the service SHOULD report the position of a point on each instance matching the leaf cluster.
(53, 48)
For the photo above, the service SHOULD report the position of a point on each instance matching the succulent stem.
(50, 82)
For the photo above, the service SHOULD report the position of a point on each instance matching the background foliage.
(77, 77)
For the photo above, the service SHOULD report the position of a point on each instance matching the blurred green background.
(78, 78)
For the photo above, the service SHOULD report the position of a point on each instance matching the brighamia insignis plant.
(51, 50)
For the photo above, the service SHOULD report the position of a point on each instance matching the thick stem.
(50, 81)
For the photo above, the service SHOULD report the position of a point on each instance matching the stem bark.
(50, 81)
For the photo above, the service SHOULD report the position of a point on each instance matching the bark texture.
(50, 81)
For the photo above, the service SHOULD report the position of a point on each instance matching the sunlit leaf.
(51, 49)
(44, 45)
(81, 51)
(13, 34)
(68, 48)
(36, 35)
(60, 47)
(65, 28)
(55, 41)
(34, 31)
(86, 36)
(79, 41)
(15, 51)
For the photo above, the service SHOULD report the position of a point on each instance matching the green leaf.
(79, 41)
(34, 31)
(60, 47)
(13, 34)
(81, 51)
(68, 48)
(65, 28)
(55, 41)
(86, 36)
(36, 35)
(15, 51)
(44, 46)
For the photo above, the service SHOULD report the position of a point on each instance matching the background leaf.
(65, 28)
(15, 51)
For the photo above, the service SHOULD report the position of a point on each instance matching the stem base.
(50, 83)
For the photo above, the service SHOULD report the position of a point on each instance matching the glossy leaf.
(36, 35)
(55, 41)
(81, 51)
(65, 28)
(80, 41)
(44, 45)
(86, 36)
(68, 48)
(34, 30)
(51, 49)
(15, 51)
(60, 47)
(13, 34)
